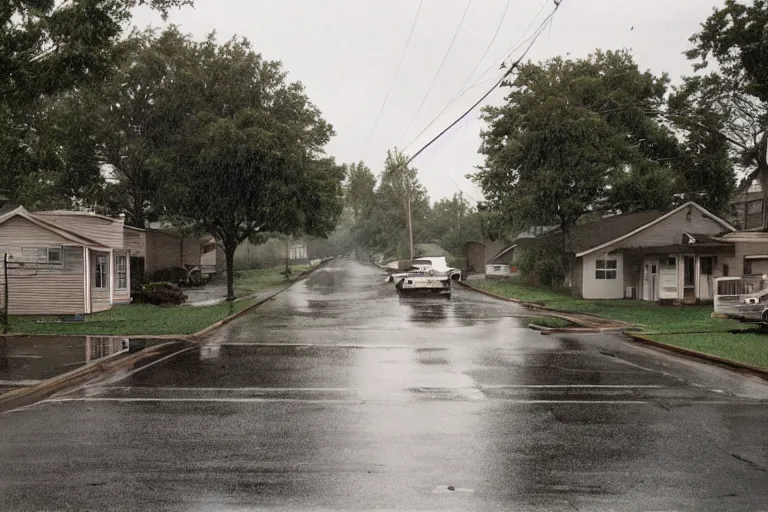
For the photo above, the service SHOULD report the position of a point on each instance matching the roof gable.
(604, 234)
(21, 212)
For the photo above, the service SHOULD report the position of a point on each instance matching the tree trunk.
(229, 255)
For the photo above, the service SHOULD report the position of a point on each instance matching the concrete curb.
(28, 395)
(221, 323)
(734, 365)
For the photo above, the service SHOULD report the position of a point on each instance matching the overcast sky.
(346, 53)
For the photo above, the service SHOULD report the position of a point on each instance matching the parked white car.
(427, 275)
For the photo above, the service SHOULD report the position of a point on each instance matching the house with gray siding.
(64, 263)
(650, 255)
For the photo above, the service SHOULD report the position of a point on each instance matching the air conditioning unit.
(630, 292)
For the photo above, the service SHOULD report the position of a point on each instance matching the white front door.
(651, 280)
(668, 282)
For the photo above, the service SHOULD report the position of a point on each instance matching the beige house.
(64, 263)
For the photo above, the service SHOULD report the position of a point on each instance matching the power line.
(516, 45)
(439, 69)
(392, 83)
(469, 76)
(512, 67)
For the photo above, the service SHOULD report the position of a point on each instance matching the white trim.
(87, 272)
(654, 222)
(756, 257)
(111, 277)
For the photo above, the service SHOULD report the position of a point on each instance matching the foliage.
(552, 322)
(50, 48)
(360, 189)
(543, 265)
(452, 223)
(249, 155)
(577, 136)
(176, 275)
(160, 294)
(728, 107)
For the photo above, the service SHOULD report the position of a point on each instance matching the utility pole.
(410, 220)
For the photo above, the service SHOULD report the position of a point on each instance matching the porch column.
(87, 278)
(111, 277)
(696, 276)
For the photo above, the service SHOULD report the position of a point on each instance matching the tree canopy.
(589, 135)
(49, 48)
(727, 107)
(249, 155)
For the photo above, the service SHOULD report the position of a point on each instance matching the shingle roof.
(591, 234)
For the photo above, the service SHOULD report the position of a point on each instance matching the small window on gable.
(54, 255)
(606, 269)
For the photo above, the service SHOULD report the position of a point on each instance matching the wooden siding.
(108, 233)
(735, 263)
(164, 250)
(136, 242)
(670, 230)
(47, 289)
(18, 232)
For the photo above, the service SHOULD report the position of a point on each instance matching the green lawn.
(750, 348)
(248, 282)
(550, 321)
(134, 319)
(650, 316)
(145, 319)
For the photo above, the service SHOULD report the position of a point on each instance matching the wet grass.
(148, 320)
(651, 317)
(550, 321)
(750, 348)
(248, 282)
(134, 319)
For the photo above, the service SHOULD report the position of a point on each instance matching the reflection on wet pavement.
(338, 394)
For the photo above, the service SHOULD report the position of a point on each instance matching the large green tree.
(249, 155)
(728, 106)
(453, 222)
(48, 48)
(577, 136)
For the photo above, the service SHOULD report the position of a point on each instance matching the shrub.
(167, 275)
(543, 266)
(159, 294)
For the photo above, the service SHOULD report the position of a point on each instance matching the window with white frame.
(100, 278)
(121, 272)
(606, 269)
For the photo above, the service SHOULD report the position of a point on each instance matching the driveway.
(338, 395)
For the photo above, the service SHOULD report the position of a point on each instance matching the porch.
(682, 273)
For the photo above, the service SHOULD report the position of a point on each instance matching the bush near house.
(159, 294)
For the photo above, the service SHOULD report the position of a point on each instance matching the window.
(706, 265)
(100, 278)
(54, 255)
(725, 270)
(606, 269)
(121, 270)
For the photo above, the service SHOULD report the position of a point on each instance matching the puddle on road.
(27, 360)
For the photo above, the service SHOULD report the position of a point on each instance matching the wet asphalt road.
(338, 395)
